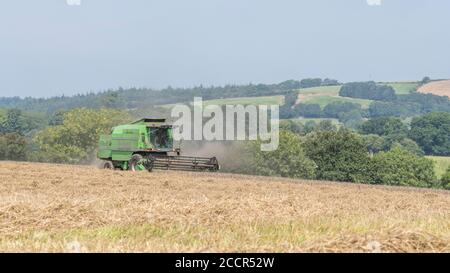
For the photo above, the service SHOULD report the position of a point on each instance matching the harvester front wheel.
(108, 165)
(136, 163)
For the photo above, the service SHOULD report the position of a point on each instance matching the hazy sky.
(48, 47)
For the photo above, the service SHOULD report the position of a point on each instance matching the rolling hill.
(440, 88)
(403, 88)
(322, 95)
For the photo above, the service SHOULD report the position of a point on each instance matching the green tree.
(374, 143)
(425, 80)
(75, 140)
(351, 119)
(13, 122)
(295, 127)
(307, 110)
(57, 118)
(310, 126)
(13, 146)
(432, 133)
(22, 123)
(330, 82)
(287, 109)
(289, 85)
(334, 109)
(111, 99)
(385, 109)
(384, 126)
(445, 180)
(325, 125)
(368, 90)
(306, 83)
(340, 155)
(401, 168)
(403, 143)
(288, 160)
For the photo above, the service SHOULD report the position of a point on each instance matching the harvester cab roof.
(150, 121)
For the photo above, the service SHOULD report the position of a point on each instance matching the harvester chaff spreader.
(147, 144)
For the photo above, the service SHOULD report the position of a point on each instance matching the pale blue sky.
(50, 48)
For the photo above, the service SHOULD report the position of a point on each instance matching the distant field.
(268, 100)
(403, 88)
(327, 94)
(324, 95)
(324, 100)
(321, 90)
(317, 120)
(439, 88)
(307, 94)
(442, 163)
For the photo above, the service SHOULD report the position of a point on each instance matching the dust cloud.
(232, 155)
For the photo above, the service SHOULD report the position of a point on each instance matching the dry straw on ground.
(47, 207)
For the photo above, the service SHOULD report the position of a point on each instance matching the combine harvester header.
(147, 144)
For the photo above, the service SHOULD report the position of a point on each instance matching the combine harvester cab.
(147, 144)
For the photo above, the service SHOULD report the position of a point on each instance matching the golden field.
(439, 88)
(61, 208)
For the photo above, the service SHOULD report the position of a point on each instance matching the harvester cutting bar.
(184, 163)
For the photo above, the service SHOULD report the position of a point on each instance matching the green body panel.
(146, 135)
(104, 144)
(121, 155)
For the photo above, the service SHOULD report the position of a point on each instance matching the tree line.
(343, 155)
(368, 90)
(141, 98)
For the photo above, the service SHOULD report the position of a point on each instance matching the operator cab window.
(160, 138)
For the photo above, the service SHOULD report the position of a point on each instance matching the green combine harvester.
(147, 144)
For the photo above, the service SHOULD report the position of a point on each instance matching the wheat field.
(439, 88)
(61, 208)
